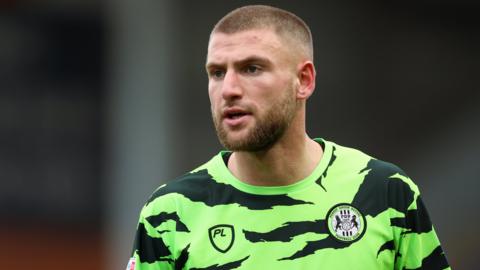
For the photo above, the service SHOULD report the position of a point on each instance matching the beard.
(268, 129)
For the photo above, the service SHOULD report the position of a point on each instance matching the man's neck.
(283, 164)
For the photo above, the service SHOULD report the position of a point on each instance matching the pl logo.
(222, 237)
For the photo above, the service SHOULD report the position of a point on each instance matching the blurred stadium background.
(102, 101)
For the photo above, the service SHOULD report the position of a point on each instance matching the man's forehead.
(264, 37)
(261, 40)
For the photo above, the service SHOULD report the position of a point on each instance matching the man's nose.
(231, 88)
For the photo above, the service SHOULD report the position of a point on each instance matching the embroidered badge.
(222, 237)
(346, 223)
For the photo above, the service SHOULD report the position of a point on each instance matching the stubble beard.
(267, 130)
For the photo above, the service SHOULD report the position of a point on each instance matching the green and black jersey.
(352, 212)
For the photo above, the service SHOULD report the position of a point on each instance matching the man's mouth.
(234, 116)
(234, 113)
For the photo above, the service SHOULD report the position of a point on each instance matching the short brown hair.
(284, 23)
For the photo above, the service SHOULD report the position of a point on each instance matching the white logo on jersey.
(346, 223)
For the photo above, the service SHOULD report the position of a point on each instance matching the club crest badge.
(346, 223)
(222, 237)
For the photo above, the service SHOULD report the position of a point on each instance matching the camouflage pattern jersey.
(352, 212)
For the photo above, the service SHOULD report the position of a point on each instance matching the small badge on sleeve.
(131, 264)
(346, 223)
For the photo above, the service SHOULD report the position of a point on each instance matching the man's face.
(251, 88)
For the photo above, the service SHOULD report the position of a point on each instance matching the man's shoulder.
(191, 184)
(349, 155)
(374, 173)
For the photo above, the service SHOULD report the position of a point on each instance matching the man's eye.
(218, 73)
(252, 69)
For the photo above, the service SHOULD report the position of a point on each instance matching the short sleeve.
(151, 250)
(416, 242)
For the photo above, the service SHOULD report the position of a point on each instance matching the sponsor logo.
(131, 264)
(346, 223)
(222, 237)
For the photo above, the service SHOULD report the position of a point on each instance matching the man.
(278, 199)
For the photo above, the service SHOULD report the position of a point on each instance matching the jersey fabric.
(352, 212)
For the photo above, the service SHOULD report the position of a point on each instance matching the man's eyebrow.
(241, 62)
(253, 58)
(211, 65)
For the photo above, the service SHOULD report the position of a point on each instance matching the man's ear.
(306, 78)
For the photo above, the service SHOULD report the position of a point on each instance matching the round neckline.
(226, 175)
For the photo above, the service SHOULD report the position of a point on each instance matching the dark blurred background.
(101, 102)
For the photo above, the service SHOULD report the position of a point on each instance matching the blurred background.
(103, 101)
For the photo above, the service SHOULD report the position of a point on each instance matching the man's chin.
(246, 145)
(235, 144)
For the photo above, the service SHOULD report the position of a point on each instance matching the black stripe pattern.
(200, 187)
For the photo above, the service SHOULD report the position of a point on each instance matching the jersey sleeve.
(152, 246)
(416, 242)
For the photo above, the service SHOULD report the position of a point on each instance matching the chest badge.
(222, 237)
(346, 223)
